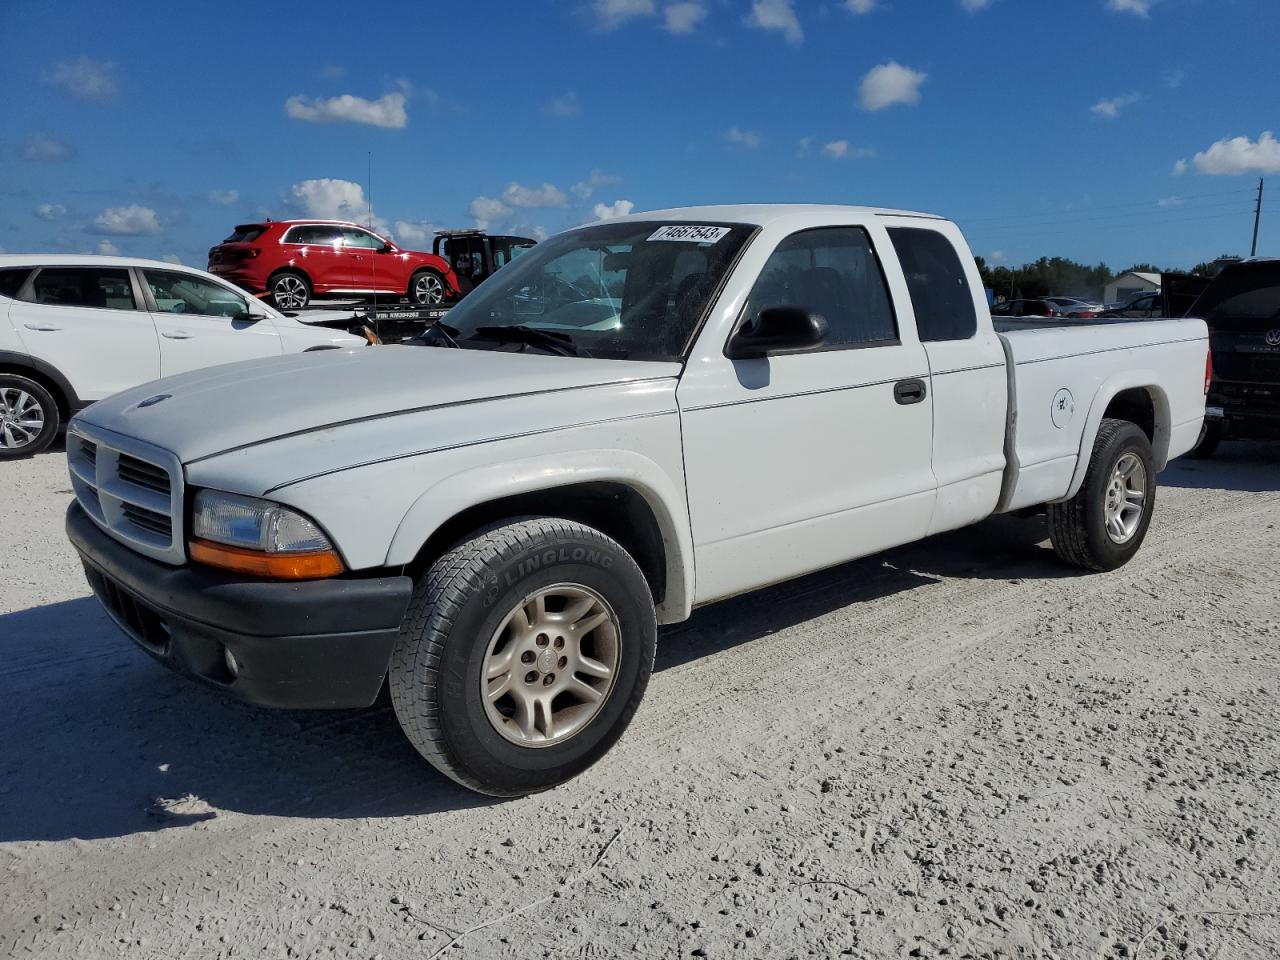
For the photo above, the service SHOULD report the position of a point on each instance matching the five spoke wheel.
(1126, 495)
(550, 665)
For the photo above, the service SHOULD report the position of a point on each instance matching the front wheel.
(28, 417)
(1104, 524)
(426, 288)
(523, 655)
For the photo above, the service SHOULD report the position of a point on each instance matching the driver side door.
(202, 323)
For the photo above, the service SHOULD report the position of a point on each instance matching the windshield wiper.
(553, 340)
(439, 334)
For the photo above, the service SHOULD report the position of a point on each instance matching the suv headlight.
(259, 537)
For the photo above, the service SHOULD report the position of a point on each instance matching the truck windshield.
(632, 290)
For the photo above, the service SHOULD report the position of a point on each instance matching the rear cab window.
(106, 288)
(940, 293)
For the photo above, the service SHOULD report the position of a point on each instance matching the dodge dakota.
(635, 418)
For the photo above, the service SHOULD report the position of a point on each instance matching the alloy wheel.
(427, 288)
(290, 292)
(21, 418)
(550, 665)
(1126, 497)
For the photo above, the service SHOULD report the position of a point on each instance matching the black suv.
(1242, 308)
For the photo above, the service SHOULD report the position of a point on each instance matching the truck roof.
(761, 214)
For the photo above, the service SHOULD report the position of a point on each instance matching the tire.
(29, 417)
(1210, 437)
(1080, 529)
(290, 290)
(470, 612)
(426, 287)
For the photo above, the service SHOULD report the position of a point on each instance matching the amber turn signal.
(273, 566)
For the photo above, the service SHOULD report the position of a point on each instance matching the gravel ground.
(960, 748)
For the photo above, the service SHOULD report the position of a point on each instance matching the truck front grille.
(131, 489)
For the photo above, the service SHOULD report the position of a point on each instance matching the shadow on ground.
(1249, 467)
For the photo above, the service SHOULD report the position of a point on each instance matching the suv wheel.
(290, 291)
(426, 288)
(1210, 436)
(28, 417)
(523, 655)
(1104, 524)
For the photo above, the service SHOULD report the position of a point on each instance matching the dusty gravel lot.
(959, 749)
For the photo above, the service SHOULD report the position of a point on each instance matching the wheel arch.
(1135, 396)
(48, 376)
(624, 495)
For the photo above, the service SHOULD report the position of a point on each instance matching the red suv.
(296, 260)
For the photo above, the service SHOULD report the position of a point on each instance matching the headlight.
(259, 537)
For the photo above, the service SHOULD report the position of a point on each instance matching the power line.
(1110, 206)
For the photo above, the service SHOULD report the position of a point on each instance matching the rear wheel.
(426, 287)
(523, 655)
(290, 291)
(29, 417)
(1104, 524)
(1210, 437)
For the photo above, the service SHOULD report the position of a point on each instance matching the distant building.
(1129, 285)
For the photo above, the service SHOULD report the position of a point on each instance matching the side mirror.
(386, 248)
(781, 329)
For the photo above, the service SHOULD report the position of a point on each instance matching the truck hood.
(206, 412)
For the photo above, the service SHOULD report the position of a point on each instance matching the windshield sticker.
(690, 233)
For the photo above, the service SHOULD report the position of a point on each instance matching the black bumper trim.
(307, 644)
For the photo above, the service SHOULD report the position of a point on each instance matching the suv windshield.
(633, 290)
(1244, 297)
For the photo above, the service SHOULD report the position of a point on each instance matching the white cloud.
(415, 233)
(387, 111)
(890, 83)
(224, 198)
(746, 138)
(683, 17)
(85, 79)
(51, 211)
(997, 256)
(547, 195)
(484, 210)
(1110, 109)
(564, 106)
(107, 249)
(583, 189)
(607, 211)
(802, 147)
(860, 7)
(973, 6)
(1170, 202)
(611, 14)
(130, 221)
(172, 258)
(331, 199)
(1235, 156)
(41, 148)
(1137, 7)
(842, 149)
(1180, 168)
(1173, 78)
(777, 15)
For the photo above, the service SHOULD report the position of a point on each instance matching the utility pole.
(1257, 218)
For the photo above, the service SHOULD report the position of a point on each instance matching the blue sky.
(1113, 130)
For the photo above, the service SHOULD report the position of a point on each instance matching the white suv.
(75, 329)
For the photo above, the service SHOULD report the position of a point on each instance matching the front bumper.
(300, 645)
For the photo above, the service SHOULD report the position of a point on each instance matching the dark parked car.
(1145, 306)
(1242, 308)
(1027, 308)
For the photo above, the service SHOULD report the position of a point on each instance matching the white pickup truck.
(635, 418)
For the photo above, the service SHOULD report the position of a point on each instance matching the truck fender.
(470, 488)
(1142, 379)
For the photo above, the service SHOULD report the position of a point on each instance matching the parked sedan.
(1076, 308)
(1026, 308)
(75, 329)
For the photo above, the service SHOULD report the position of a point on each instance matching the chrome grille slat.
(131, 489)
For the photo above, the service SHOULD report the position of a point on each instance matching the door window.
(315, 235)
(936, 280)
(189, 294)
(359, 238)
(11, 281)
(101, 287)
(833, 272)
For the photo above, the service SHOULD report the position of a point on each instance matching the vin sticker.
(690, 233)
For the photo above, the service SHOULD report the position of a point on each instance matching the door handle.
(41, 327)
(907, 392)
(176, 335)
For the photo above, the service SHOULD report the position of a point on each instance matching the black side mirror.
(781, 329)
(386, 248)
